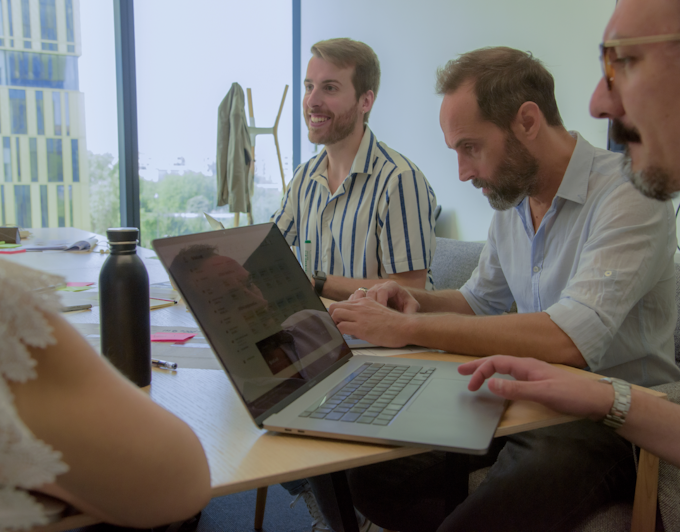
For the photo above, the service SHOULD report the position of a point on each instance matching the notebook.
(291, 365)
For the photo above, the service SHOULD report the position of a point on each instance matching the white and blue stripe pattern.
(380, 220)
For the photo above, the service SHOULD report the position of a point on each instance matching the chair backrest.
(453, 262)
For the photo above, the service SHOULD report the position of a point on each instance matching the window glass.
(70, 34)
(27, 69)
(18, 159)
(67, 114)
(22, 205)
(55, 166)
(177, 149)
(2, 24)
(56, 110)
(33, 151)
(2, 205)
(7, 158)
(17, 101)
(26, 22)
(10, 19)
(43, 206)
(48, 20)
(61, 207)
(75, 160)
(40, 112)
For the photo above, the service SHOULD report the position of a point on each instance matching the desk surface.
(240, 455)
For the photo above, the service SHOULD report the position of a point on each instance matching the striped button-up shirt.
(380, 220)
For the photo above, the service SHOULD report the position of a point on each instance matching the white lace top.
(25, 461)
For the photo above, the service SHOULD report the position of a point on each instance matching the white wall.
(413, 38)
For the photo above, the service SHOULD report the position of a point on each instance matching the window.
(55, 165)
(2, 204)
(40, 112)
(2, 25)
(22, 205)
(26, 22)
(18, 159)
(177, 150)
(11, 21)
(61, 207)
(28, 69)
(7, 158)
(75, 160)
(70, 33)
(67, 114)
(56, 108)
(33, 151)
(17, 101)
(48, 24)
(43, 206)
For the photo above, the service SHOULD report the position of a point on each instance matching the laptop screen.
(257, 309)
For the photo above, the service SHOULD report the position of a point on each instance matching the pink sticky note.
(171, 337)
(12, 251)
(79, 284)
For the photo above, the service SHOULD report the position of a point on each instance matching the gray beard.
(654, 182)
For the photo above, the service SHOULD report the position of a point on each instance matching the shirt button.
(537, 269)
(608, 273)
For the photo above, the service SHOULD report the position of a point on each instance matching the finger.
(382, 296)
(358, 294)
(484, 370)
(343, 314)
(410, 307)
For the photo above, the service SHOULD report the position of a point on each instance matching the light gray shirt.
(600, 264)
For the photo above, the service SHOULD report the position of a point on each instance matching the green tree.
(104, 192)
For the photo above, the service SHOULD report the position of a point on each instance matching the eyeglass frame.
(608, 69)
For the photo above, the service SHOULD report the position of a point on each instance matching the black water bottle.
(124, 307)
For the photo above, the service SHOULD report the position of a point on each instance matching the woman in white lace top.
(72, 427)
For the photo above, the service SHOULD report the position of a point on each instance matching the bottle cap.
(120, 235)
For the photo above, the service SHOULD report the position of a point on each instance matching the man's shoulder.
(399, 162)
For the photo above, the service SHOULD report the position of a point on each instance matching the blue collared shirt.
(600, 264)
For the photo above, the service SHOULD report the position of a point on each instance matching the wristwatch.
(319, 280)
(622, 396)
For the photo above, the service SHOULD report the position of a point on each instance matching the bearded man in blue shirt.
(589, 263)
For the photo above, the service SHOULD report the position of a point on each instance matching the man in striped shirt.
(366, 210)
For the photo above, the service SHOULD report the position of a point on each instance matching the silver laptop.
(292, 367)
(214, 223)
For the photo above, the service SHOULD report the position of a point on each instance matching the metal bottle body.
(124, 315)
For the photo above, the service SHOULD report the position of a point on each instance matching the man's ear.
(528, 121)
(366, 101)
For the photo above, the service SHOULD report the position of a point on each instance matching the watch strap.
(622, 398)
(319, 281)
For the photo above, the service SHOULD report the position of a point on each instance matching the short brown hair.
(344, 53)
(504, 78)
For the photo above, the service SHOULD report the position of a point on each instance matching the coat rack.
(254, 132)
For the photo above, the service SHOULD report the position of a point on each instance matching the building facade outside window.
(44, 182)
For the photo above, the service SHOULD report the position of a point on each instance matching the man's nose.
(313, 98)
(606, 103)
(465, 171)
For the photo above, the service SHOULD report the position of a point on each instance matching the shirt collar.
(574, 186)
(363, 160)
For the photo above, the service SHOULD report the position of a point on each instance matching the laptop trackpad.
(450, 397)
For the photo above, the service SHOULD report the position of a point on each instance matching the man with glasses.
(589, 263)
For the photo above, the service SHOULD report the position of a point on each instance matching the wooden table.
(242, 456)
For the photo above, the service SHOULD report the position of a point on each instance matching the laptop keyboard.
(374, 396)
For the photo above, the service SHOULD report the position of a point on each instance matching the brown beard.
(341, 129)
(514, 179)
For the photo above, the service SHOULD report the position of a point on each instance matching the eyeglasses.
(606, 60)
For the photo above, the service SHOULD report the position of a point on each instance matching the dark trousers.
(545, 480)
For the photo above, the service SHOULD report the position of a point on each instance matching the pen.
(76, 307)
(163, 364)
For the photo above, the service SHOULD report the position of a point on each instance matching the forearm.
(441, 301)
(339, 288)
(523, 335)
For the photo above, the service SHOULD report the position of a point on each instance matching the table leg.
(644, 506)
(344, 499)
(457, 470)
